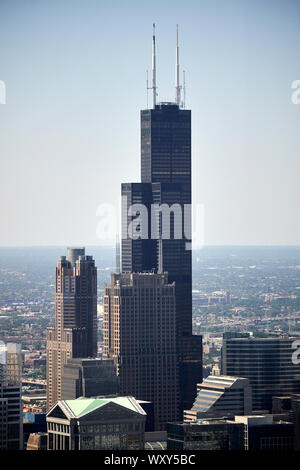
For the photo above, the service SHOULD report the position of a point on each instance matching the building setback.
(139, 329)
(75, 332)
(220, 396)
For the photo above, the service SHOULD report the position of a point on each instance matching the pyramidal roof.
(82, 405)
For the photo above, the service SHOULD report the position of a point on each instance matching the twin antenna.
(178, 87)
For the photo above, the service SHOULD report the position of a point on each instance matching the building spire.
(177, 85)
(183, 87)
(153, 69)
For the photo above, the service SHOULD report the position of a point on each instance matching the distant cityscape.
(263, 299)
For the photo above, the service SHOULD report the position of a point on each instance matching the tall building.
(89, 378)
(266, 362)
(163, 198)
(221, 396)
(75, 332)
(11, 420)
(139, 328)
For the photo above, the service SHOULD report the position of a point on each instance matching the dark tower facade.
(156, 235)
(166, 164)
(266, 362)
(166, 181)
(75, 332)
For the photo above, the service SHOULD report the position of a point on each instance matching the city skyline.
(69, 88)
(179, 328)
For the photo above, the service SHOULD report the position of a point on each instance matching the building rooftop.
(212, 389)
(82, 405)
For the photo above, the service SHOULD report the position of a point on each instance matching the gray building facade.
(89, 378)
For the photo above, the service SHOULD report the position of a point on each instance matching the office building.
(266, 362)
(96, 424)
(221, 396)
(206, 434)
(288, 409)
(11, 421)
(139, 329)
(75, 332)
(89, 378)
(262, 433)
(237, 433)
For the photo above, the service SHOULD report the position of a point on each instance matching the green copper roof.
(83, 405)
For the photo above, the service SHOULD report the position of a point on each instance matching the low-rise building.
(100, 423)
(262, 433)
(206, 434)
(37, 441)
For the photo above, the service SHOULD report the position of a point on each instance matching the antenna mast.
(183, 104)
(117, 254)
(153, 69)
(147, 87)
(177, 85)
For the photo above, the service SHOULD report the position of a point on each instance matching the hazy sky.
(75, 75)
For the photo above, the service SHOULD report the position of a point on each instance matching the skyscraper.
(75, 332)
(266, 362)
(11, 422)
(139, 328)
(89, 378)
(166, 183)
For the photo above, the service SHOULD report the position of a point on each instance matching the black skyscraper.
(166, 180)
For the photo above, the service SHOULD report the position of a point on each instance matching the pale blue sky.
(75, 73)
